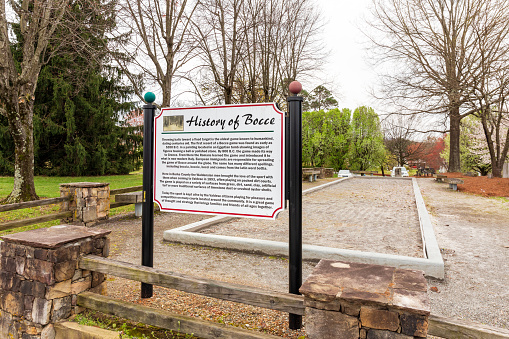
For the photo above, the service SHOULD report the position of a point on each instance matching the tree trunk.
(496, 170)
(22, 134)
(454, 150)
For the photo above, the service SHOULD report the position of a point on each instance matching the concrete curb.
(432, 264)
(429, 241)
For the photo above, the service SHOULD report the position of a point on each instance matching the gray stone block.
(321, 324)
(40, 270)
(64, 270)
(8, 264)
(28, 302)
(41, 311)
(48, 332)
(380, 334)
(414, 325)
(20, 265)
(61, 309)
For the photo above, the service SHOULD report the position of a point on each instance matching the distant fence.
(121, 191)
(54, 216)
(30, 221)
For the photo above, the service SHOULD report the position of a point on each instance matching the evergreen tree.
(78, 129)
(79, 103)
(318, 99)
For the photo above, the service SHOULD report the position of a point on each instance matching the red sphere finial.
(295, 87)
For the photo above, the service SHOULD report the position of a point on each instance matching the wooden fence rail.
(35, 203)
(55, 216)
(164, 319)
(126, 190)
(284, 302)
(25, 222)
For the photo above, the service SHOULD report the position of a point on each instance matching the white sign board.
(220, 160)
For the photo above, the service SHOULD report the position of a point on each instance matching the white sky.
(347, 67)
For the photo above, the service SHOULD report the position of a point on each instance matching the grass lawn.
(48, 187)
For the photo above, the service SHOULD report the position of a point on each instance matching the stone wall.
(39, 278)
(352, 301)
(89, 202)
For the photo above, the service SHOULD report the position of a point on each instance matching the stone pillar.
(329, 172)
(39, 278)
(89, 202)
(321, 175)
(350, 300)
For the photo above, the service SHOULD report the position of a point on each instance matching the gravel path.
(473, 234)
(365, 214)
(471, 230)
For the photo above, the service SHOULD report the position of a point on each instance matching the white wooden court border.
(432, 263)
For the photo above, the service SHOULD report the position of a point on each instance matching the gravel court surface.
(473, 235)
(365, 214)
(471, 231)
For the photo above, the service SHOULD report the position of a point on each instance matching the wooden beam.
(455, 328)
(131, 197)
(25, 222)
(164, 319)
(119, 204)
(283, 302)
(34, 203)
(126, 190)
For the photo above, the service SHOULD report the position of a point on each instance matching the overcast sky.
(347, 66)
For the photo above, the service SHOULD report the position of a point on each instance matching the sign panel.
(220, 160)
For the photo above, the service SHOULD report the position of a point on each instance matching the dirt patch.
(487, 187)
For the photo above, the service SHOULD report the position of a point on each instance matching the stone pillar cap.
(367, 284)
(55, 236)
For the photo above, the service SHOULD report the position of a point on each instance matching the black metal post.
(287, 159)
(295, 164)
(147, 235)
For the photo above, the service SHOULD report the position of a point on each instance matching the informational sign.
(220, 160)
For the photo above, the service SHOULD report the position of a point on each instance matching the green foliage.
(367, 148)
(325, 138)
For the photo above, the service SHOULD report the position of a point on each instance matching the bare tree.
(301, 51)
(252, 49)
(435, 47)
(401, 138)
(218, 31)
(490, 90)
(38, 21)
(154, 43)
